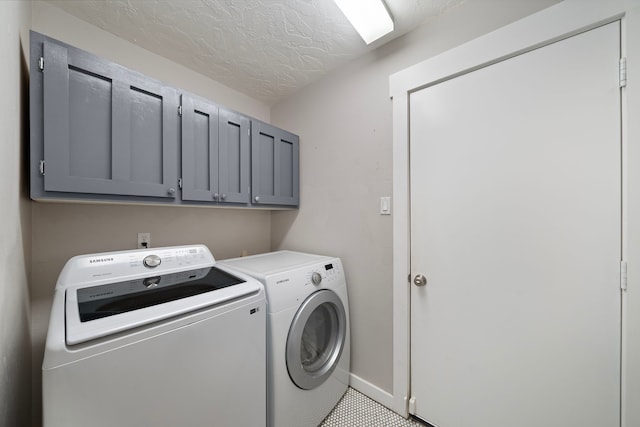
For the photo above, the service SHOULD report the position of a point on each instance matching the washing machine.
(155, 337)
(308, 340)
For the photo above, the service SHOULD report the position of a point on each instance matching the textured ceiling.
(266, 49)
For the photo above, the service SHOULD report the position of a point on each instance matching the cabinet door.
(107, 130)
(199, 150)
(274, 165)
(234, 160)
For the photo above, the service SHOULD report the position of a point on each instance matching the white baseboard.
(372, 391)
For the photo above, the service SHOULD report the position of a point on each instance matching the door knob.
(419, 280)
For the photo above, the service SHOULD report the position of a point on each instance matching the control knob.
(316, 278)
(152, 261)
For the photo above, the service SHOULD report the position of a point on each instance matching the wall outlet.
(144, 240)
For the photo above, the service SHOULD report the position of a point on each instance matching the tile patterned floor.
(357, 410)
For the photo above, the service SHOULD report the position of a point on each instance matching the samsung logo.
(99, 260)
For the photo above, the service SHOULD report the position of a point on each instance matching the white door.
(515, 223)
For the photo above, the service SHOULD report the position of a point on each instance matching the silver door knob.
(224, 196)
(171, 191)
(419, 280)
(215, 196)
(257, 199)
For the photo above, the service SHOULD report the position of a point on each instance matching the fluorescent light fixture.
(369, 17)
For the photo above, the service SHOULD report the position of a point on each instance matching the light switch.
(385, 205)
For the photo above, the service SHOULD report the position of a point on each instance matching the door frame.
(563, 20)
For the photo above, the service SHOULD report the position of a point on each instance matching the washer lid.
(96, 311)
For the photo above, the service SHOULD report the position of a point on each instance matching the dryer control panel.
(289, 288)
(325, 275)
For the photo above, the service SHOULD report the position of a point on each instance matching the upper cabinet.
(105, 129)
(275, 165)
(215, 153)
(199, 150)
(234, 165)
(100, 131)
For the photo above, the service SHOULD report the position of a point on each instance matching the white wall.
(62, 230)
(345, 127)
(15, 217)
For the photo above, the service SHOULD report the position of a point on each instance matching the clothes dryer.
(308, 340)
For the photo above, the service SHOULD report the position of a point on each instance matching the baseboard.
(372, 391)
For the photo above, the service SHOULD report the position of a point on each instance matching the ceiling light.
(369, 17)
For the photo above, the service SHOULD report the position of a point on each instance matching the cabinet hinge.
(623, 275)
(41, 167)
(623, 72)
(180, 110)
(249, 131)
(180, 183)
(41, 63)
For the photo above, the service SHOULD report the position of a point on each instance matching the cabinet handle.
(171, 191)
(257, 199)
(224, 196)
(215, 196)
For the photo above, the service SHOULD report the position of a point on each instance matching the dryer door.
(316, 339)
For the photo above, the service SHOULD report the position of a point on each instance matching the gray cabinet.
(199, 150)
(105, 129)
(100, 131)
(235, 159)
(215, 153)
(275, 165)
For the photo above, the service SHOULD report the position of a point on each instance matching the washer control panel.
(86, 269)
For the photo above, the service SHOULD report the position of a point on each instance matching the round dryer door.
(316, 339)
